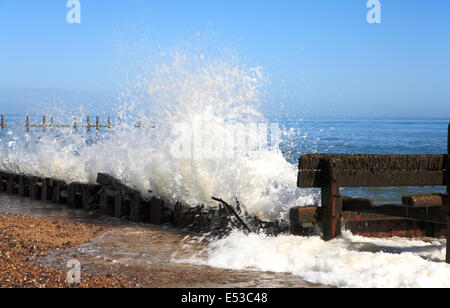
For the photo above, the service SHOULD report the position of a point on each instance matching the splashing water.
(197, 101)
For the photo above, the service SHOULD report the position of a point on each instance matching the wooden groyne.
(330, 172)
(76, 124)
(110, 197)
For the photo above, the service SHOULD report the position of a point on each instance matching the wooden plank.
(425, 200)
(358, 217)
(307, 214)
(310, 214)
(375, 162)
(432, 214)
(358, 202)
(301, 219)
(359, 178)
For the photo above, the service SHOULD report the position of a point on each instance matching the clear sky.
(323, 57)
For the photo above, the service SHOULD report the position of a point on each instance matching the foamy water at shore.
(349, 261)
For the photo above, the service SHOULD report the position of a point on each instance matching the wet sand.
(113, 254)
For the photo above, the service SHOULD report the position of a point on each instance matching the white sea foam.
(350, 261)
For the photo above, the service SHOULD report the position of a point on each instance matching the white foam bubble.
(350, 261)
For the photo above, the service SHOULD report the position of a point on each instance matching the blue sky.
(322, 56)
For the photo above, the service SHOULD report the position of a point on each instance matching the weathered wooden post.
(21, 191)
(89, 195)
(3, 125)
(23, 186)
(10, 185)
(97, 123)
(88, 123)
(35, 188)
(28, 124)
(52, 123)
(331, 210)
(75, 124)
(71, 191)
(13, 184)
(110, 203)
(109, 123)
(44, 123)
(75, 195)
(103, 203)
(135, 207)
(448, 195)
(157, 212)
(59, 192)
(118, 205)
(3, 181)
(47, 189)
(86, 198)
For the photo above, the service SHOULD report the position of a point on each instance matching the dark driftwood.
(233, 211)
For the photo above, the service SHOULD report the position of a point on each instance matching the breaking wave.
(203, 102)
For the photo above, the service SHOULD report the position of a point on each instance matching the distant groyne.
(76, 124)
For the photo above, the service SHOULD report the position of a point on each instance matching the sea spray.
(189, 96)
